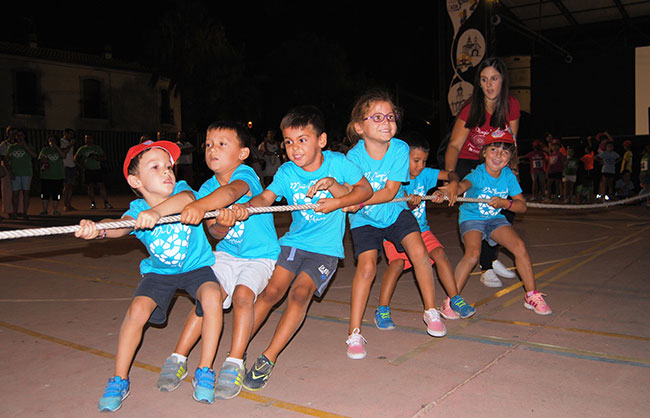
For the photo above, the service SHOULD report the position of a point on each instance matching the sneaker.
(203, 383)
(446, 310)
(13, 215)
(230, 380)
(92, 205)
(502, 270)
(435, 327)
(117, 389)
(259, 374)
(172, 373)
(383, 319)
(356, 345)
(464, 309)
(536, 302)
(56, 213)
(43, 213)
(107, 205)
(490, 279)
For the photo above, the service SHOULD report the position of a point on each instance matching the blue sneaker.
(117, 389)
(462, 308)
(203, 385)
(383, 319)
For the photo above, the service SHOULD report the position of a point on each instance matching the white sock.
(179, 357)
(239, 362)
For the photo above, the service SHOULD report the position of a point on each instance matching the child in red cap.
(493, 180)
(180, 257)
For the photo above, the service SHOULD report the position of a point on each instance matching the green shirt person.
(51, 161)
(90, 156)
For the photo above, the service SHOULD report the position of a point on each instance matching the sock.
(531, 293)
(239, 362)
(179, 357)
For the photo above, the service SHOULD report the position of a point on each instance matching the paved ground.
(63, 300)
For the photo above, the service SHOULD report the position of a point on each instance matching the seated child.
(423, 179)
(493, 180)
(311, 250)
(245, 255)
(179, 258)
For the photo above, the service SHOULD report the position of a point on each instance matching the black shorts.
(51, 189)
(93, 176)
(369, 237)
(319, 267)
(161, 288)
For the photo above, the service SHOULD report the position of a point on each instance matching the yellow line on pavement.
(155, 369)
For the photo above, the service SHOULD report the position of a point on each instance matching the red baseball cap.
(172, 149)
(499, 135)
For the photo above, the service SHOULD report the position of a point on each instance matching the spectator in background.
(626, 163)
(624, 186)
(67, 146)
(608, 158)
(89, 157)
(554, 171)
(270, 150)
(183, 168)
(569, 174)
(6, 179)
(52, 174)
(538, 160)
(20, 169)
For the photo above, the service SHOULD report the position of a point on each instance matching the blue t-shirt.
(394, 166)
(311, 231)
(484, 186)
(173, 248)
(254, 238)
(425, 181)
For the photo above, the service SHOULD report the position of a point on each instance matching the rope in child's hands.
(130, 223)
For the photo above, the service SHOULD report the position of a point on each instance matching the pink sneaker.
(446, 311)
(356, 345)
(435, 327)
(535, 301)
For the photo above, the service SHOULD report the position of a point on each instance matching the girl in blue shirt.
(493, 180)
(384, 161)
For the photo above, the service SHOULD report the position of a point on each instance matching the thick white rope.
(130, 223)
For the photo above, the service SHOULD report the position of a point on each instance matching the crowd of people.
(251, 269)
(587, 171)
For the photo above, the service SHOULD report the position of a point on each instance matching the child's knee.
(271, 294)
(242, 297)
(301, 294)
(366, 271)
(438, 255)
(139, 312)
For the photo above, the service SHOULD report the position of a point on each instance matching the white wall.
(642, 88)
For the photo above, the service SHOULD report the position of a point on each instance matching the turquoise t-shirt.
(312, 231)
(20, 160)
(425, 181)
(394, 166)
(484, 186)
(255, 237)
(55, 169)
(173, 248)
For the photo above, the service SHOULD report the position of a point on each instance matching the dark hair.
(302, 116)
(242, 132)
(416, 140)
(362, 106)
(476, 115)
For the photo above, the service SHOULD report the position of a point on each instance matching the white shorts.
(231, 271)
(571, 178)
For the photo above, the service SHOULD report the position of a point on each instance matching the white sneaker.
(502, 270)
(490, 279)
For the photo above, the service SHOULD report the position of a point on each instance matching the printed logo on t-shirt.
(419, 211)
(236, 233)
(299, 198)
(487, 193)
(171, 244)
(377, 182)
(19, 153)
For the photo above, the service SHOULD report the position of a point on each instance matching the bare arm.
(514, 126)
(360, 191)
(459, 135)
(222, 197)
(516, 204)
(88, 229)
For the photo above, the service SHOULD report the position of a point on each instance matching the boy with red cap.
(180, 258)
(493, 180)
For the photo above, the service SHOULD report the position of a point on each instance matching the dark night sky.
(378, 39)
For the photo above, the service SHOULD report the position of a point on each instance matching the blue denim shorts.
(485, 227)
